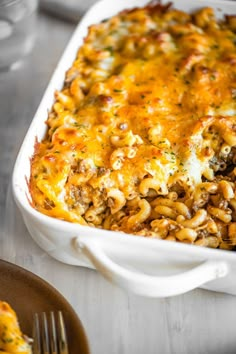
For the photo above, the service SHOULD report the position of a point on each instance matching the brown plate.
(27, 294)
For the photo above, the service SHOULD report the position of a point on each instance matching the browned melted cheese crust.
(12, 340)
(146, 119)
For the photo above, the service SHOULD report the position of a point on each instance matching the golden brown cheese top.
(148, 104)
(12, 340)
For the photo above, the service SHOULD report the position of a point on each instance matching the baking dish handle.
(148, 285)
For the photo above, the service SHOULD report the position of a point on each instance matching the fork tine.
(45, 335)
(36, 335)
(62, 339)
(49, 336)
(53, 340)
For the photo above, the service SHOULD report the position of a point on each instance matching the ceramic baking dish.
(148, 267)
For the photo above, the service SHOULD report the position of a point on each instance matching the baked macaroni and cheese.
(142, 137)
(12, 341)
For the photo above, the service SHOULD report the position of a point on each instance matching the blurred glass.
(17, 30)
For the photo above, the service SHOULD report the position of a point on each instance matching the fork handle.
(148, 285)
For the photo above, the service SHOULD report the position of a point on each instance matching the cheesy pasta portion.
(142, 137)
(12, 341)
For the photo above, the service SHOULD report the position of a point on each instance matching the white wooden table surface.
(199, 322)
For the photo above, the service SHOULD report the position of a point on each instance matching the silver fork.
(49, 334)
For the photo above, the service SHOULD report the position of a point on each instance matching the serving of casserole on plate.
(12, 339)
(140, 139)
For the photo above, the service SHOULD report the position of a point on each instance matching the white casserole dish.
(148, 267)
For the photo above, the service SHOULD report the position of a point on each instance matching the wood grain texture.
(199, 322)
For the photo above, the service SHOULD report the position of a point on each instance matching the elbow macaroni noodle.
(142, 137)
